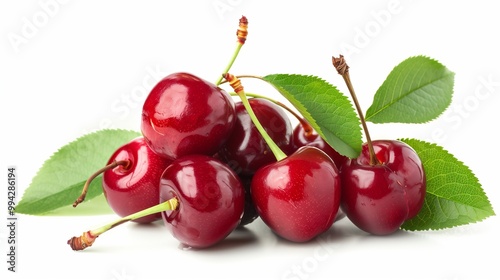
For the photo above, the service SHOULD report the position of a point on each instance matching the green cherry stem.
(308, 129)
(235, 83)
(231, 62)
(87, 238)
(241, 34)
(343, 70)
(305, 125)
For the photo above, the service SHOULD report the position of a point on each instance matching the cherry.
(386, 184)
(131, 178)
(184, 114)
(297, 196)
(201, 202)
(304, 134)
(379, 198)
(211, 200)
(134, 187)
(245, 150)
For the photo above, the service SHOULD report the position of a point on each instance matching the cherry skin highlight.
(380, 198)
(134, 187)
(245, 150)
(298, 197)
(184, 114)
(211, 200)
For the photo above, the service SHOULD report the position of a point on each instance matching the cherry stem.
(241, 35)
(343, 70)
(305, 125)
(87, 238)
(238, 88)
(81, 198)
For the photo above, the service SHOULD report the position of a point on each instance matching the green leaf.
(418, 90)
(61, 178)
(454, 196)
(90, 207)
(328, 111)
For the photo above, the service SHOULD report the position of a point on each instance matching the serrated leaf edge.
(449, 73)
(59, 150)
(470, 170)
(306, 114)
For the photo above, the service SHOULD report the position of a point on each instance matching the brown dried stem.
(343, 70)
(81, 198)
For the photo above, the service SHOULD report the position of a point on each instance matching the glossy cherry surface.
(380, 198)
(211, 200)
(134, 187)
(298, 197)
(184, 114)
(246, 151)
(308, 136)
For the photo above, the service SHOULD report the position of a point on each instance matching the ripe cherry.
(201, 201)
(184, 114)
(245, 150)
(298, 197)
(379, 198)
(386, 184)
(130, 181)
(211, 200)
(133, 187)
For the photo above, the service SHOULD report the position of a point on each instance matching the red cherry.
(184, 114)
(386, 184)
(201, 200)
(298, 197)
(211, 200)
(380, 198)
(134, 186)
(245, 150)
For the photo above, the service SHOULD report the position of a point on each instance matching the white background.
(68, 68)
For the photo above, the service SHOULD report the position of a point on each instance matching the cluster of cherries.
(207, 164)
